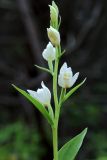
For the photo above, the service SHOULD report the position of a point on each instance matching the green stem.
(55, 80)
(50, 66)
(55, 133)
(55, 142)
(57, 106)
(56, 119)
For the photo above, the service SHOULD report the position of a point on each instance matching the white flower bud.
(43, 95)
(55, 6)
(66, 78)
(49, 53)
(54, 15)
(53, 36)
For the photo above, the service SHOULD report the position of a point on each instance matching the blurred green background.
(24, 134)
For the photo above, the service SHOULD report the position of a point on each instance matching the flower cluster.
(65, 80)
(65, 77)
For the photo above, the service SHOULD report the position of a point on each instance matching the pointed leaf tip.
(43, 69)
(13, 85)
(71, 148)
(84, 80)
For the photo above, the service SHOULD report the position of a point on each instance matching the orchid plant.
(41, 98)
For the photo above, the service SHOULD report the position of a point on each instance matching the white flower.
(66, 78)
(49, 53)
(43, 95)
(53, 36)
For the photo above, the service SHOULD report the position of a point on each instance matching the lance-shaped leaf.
(71, 148)
(36, 103)
(73, 90)
(43, 69)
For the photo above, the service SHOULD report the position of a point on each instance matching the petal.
(50, 45)
(46, 90)
(64, 67)
(44, 54)
(42, 84)
(41, 96)
(32, 93)
(60, 81)
(49, 52)
(74, 78)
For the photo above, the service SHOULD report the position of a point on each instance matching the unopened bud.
(54, 15)
(53, 36)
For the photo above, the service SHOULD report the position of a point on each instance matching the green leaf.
(73, 90)
(63, 52)
(43, 69)
(71, 148)
(36, 103)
